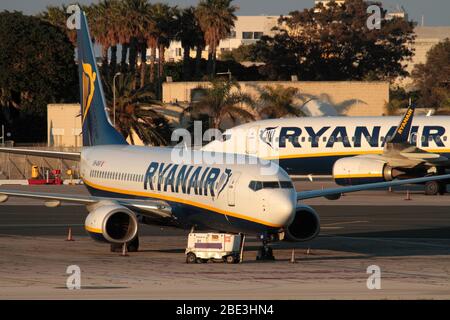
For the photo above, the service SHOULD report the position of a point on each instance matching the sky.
(435, 12)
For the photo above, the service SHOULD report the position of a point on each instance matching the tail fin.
(404, 127)
(97, 127)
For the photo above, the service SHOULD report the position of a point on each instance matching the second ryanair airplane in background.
(354, 150)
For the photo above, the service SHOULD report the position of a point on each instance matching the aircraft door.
(252, 141)
(232, 189)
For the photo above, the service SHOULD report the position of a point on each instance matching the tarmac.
(409, 240)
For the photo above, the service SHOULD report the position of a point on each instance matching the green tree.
(242, 53)
(432, 79)
(57, 16)
(191, 36)
(37, 67)
(106, 30)
(278, 101)
(223, 100)
(334, 43)
(135, 112)
(165, 17)
(216, 19)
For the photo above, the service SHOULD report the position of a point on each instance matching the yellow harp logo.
(89, 77)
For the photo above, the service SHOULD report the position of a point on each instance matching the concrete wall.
(344, 98)
(64, 125)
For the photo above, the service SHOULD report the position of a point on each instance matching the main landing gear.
(433, 188)
(132, 246)
(265, 252)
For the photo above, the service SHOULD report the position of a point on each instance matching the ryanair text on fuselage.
(186, 179)
(298, 136)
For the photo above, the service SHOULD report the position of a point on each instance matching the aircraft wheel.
(442, 188)
(133, 245)
(432, 188)
(116, 247)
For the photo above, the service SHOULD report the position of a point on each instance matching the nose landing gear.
(265, 252)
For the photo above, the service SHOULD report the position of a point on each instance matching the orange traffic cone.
(69, 235)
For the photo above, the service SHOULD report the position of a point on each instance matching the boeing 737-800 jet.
(131, 184)
(354, 150)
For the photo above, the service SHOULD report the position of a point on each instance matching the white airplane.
(129, 185)
(354, 150)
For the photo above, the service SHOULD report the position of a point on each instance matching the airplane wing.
(43, 153)
(151, 208)
(335, 193)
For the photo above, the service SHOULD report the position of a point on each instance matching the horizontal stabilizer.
(43, 153)
(423, 156)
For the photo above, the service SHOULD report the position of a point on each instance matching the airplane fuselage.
(215, 196)
(312, 145)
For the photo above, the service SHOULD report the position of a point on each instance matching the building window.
(178, 52)
(257, 35)
(232, 34)
(247, 35)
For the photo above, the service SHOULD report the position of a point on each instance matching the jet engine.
(353, 171)
(305, 226)
(112, 224)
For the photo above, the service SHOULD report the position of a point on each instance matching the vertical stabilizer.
(96, 126)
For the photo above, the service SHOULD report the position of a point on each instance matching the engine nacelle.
(112, 224)
(354, 170)
(305, 226)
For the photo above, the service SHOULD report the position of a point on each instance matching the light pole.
(114, 97)
(3, 135)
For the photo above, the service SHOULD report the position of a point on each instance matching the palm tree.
(191, 36)
(165, 18)
(223, 100)
(105, 29)
(135, 21)
(278, 101)
(216, 19)
(135, 112)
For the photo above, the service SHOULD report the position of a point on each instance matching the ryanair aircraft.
(354, 150)
(129, 185)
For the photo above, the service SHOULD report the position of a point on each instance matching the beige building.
(64, 125)
(426, 38)
(325, 98)
(247, 30)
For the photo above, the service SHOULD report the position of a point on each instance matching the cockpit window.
(286, 185)
(258, 185)
(255, 185)
(270, 185)
(226, 136)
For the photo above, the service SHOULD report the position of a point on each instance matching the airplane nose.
(284, 208)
